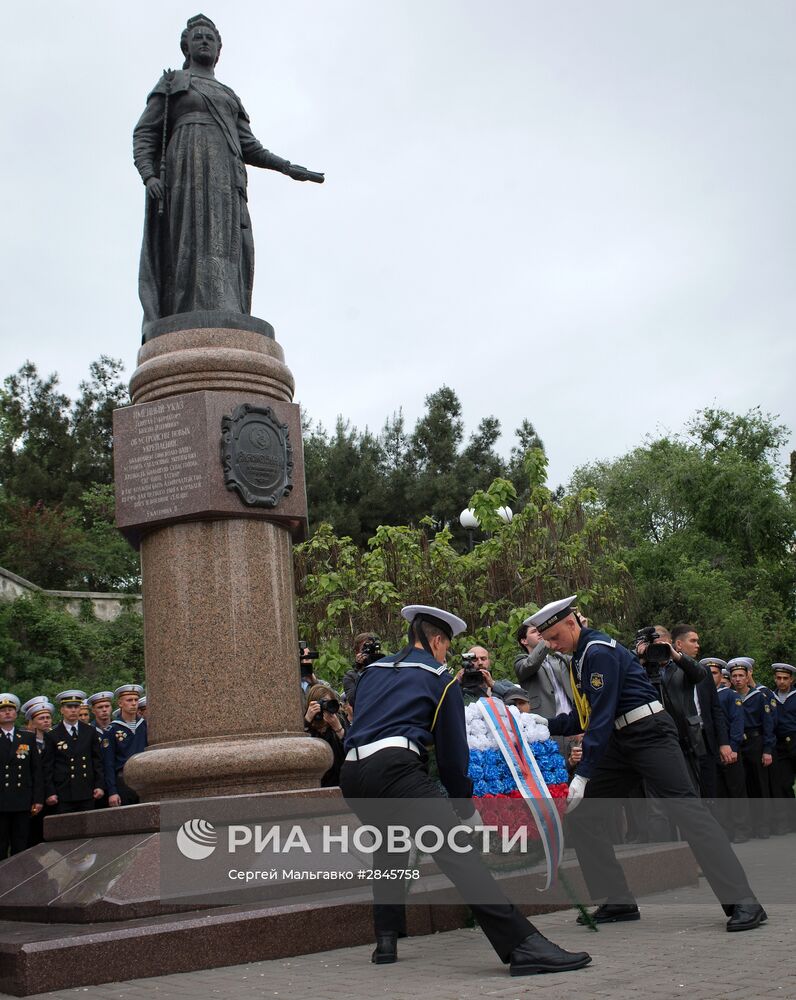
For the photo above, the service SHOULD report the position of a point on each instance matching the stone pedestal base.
(228, 766)
(210, 483)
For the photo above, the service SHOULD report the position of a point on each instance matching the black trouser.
(649, 748)
(708, 778)
(733, 803)
(14, 832)
(392, 775)
(783, 778)
(757, 786)
(74, 807)
(125, 793)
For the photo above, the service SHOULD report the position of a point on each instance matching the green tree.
(707, 523)
(36, 446)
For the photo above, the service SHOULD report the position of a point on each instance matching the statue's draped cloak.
(199, 254)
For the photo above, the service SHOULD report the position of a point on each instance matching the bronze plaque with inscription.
(256, 455)
(167, 468)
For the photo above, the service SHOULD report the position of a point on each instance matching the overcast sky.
(579, 212)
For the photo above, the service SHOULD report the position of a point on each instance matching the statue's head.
(200, 42)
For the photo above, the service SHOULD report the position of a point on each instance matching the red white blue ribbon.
(530, 783)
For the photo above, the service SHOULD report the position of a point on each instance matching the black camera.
(327, 705)
(371, 648)
(656, 652)
(471, 675)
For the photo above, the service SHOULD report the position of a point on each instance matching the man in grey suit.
(544, 675)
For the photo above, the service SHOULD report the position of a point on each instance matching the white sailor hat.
(142, 702)
(34, 701)
(37, 707)
(712, 661)
(99, 696)
(9, 700)
(450, 624)
(551, 613)
(741, 661)
(783, 666)
(128, 689)
(71, 697)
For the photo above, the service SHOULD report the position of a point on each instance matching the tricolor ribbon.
(530, 783)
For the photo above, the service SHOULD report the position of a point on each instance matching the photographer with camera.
(674, 675)
(367, 650)
(325, 721)
(475, 675)
(306, 656)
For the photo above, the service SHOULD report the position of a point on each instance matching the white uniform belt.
(651, 708)
(402, 742)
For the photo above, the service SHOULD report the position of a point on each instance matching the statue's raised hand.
(299, 173)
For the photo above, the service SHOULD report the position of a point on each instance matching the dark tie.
(73, 731)
(10, 737)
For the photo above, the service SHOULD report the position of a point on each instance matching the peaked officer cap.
(8, 700)
(71, 697)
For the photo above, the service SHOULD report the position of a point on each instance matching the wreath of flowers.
(499, 801)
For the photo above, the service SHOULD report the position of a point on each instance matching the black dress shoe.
(536, 954)
(612, 913)
(746, 916)
(386, 951)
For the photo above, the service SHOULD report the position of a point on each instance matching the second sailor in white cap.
(629, 737)
(404, 704)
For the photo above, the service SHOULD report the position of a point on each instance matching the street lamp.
(470, 522)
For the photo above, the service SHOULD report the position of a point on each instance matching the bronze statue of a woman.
(190, 146)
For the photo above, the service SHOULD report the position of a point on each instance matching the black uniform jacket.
(21, 782)
(73, 764)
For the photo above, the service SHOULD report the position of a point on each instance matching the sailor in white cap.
(127, 737)
(404, 704)
(21, 785)
(74, 776)
(784, 769)
(628, 736)
(142, 707)
(101, 705)
(39, 717)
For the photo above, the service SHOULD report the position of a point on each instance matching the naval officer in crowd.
(21, 783)
(74, 776)
(404, 704)
(628, 736)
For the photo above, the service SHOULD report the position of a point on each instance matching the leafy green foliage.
(706, 523)
(44, 649)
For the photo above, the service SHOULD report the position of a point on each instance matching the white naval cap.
(37, 708)
(8, 700)
(741, 661)
(784, 666)
(71, 697)
(99, 696)
(142, 702)
(551, 613)
(450, 624)
(36, 700)
(713, 661)
(128, 689)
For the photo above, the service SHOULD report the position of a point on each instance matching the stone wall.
(106, 606)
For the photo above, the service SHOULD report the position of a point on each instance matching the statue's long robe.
(199, 254)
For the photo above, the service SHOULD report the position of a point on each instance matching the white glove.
(473, 821)
(575, 793)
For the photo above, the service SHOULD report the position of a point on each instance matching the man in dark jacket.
(22, 791)
(73, 768)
